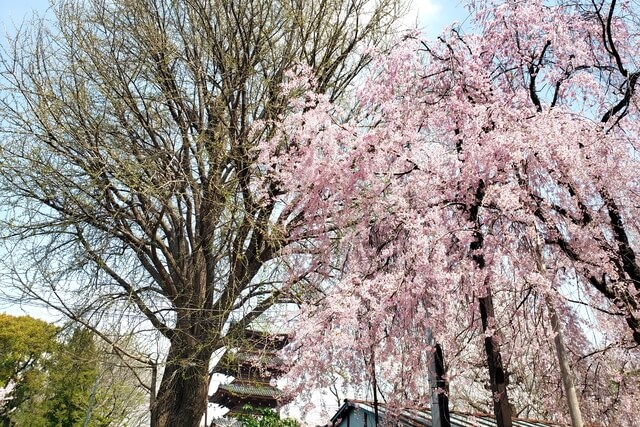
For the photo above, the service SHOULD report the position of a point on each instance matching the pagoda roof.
(236, 395)
(239, 389)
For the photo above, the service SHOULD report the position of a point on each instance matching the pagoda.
(253, 363)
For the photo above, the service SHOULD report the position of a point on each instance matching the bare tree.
(129, 178)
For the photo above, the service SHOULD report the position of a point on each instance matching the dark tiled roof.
(250, 390)
(419, 418)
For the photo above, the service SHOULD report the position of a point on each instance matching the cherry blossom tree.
(485, 184)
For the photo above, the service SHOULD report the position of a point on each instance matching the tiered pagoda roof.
(253, 364)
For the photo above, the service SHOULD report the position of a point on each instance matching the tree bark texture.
(182, 396)
(497, 374)
(440, 416)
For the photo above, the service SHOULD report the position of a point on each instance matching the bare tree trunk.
(153, 388)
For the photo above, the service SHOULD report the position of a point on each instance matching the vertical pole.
(92, 400)
(565, 370)
(152, 393)
(561, 353)
(375, 388)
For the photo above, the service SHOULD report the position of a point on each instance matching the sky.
(433, 15)
(15, 11)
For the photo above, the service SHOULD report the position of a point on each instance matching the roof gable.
(419, 418)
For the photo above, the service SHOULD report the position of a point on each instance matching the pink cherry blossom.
(466, 160)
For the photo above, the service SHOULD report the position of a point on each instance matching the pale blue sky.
(433, 15)
(14, 11)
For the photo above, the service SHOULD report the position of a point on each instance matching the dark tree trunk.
(497, 375)
(440, 416)
(182, 396)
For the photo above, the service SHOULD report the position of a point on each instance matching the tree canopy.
(129, 178)
(486, 184)
(25, 345)
(58, 378)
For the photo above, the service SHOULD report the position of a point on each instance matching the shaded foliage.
(69, 381)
